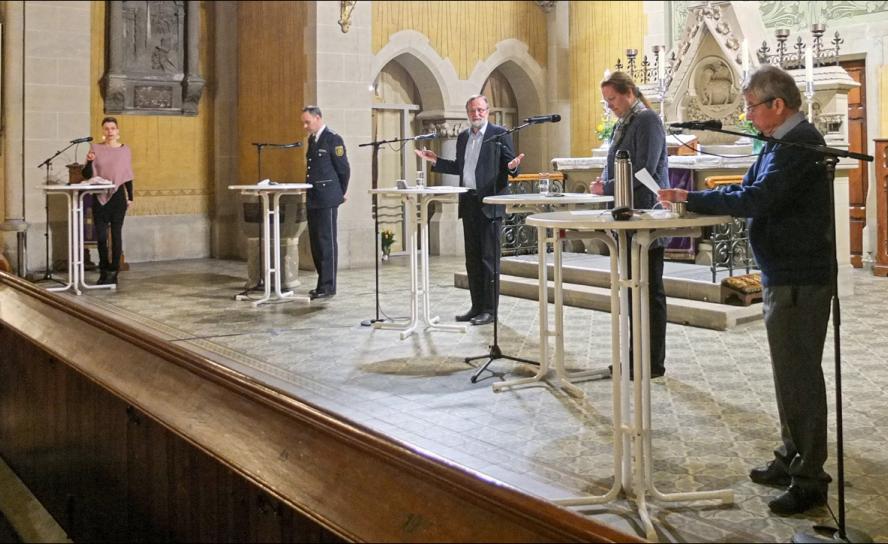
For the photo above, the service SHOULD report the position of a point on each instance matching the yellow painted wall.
(271, 73)
(600, 33)
(464, 32)
(172, 155)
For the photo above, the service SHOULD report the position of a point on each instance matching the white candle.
(745, 58)
(809, 67)
(661, 62)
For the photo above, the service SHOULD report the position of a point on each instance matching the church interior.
(207, 396)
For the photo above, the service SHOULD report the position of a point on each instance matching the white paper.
(645, 178)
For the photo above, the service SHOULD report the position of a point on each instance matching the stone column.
(57, 89)
(558, 81)
(338, 80)
(13, 123)
(227, 235)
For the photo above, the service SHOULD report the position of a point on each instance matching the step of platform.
(587, 285)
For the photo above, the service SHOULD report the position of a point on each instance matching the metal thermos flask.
(623, 194)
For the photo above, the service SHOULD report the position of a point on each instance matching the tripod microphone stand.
(374, 184)
(47, 273)
(259, 146)
(831, 158)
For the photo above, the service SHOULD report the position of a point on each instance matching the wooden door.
(857, 141)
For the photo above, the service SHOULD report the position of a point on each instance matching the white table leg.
(420, 285)
(432, 322)
(410, 327)
(78, 244)
(72, 275)
(545, 333)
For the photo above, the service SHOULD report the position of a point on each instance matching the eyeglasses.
(477, 110)
(765, 101)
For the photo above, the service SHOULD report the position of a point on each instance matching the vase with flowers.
(605, 129)
(387, 239)
(746, 126)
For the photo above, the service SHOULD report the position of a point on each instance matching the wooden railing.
(124, 436)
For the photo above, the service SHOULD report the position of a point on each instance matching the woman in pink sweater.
(113, 161)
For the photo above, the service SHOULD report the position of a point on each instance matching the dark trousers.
(482, 242)
(324, 246)
(796, 319)
(657, 303)
(111, 214)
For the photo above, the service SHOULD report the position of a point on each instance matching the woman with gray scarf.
(640, 132)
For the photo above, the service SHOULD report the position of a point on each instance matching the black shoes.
(468, 315)
(771, 474)
(654, 373)
(796, 500)
(482, 319)
(314, 294)
(107, 277)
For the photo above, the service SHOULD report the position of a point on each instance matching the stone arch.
(433, 75)
(527, 79)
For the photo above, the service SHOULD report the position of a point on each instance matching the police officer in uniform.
(327, 171)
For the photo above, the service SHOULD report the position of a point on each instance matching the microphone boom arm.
(836, 152)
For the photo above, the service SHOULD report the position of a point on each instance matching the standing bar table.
(417, 199)
(633, 460)
(545, 202)
(75, 194)
(270, 195)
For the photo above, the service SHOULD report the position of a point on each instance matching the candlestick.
(745, 59)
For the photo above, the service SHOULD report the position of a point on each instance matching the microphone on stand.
(553, 118)
(712, 124)
(82, 140)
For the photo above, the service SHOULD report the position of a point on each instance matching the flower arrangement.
(387, 238)
(745, 125)
(605, 129)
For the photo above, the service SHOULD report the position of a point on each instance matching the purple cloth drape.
(681, 248)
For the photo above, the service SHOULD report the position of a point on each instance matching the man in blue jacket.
(785, 195)
(327, 170)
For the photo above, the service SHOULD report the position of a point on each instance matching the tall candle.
(661, 62)
(745, 58)
(809, 67)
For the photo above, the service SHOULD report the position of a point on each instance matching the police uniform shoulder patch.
(340, 150)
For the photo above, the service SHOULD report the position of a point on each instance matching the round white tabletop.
(541, 199)
(643, 219)
(435, 190)
(271, 187)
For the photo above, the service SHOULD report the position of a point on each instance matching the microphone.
(82, 140)
(712, 124)
(553, 118)
(294, 144)
(429, 136)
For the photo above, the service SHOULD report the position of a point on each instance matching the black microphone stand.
(831, 158)
(495, 351)
(47, 273)
(374, 184)
(260, 281)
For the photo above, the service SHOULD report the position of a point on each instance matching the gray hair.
(314, 110)
(476, 97)
(769, 82)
